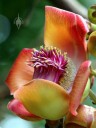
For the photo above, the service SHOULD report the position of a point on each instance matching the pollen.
(52, 64)
(67, 79)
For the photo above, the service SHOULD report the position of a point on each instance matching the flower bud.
(92, 14)
(92, 43)
(86, 118)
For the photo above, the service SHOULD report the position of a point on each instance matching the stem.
(72, 5)
(93, 72)
(54, 123)
(92, 96)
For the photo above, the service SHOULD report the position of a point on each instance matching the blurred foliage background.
(29, 35)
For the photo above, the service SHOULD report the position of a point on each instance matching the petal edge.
(20, 72)
(17, 107)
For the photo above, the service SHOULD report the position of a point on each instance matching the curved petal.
(17, 107)
(44, 98)
(20, 72)
(79, 86)
(66, 31)
(84, 119)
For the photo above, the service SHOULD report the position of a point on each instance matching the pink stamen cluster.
(49, 64)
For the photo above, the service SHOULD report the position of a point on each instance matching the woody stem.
(54, 124)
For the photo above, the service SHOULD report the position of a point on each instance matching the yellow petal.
(44, 98)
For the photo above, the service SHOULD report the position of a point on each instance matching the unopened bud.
(92, 14)
(92, 43)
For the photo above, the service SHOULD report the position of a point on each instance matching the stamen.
(68, 77)
(51, 64)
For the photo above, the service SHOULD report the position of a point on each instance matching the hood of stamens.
(51, 64)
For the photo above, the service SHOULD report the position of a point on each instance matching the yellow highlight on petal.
(44, 98)
(66, 31)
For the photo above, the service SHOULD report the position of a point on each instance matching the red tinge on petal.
(79, 86)
(20, 72)
(17, 107)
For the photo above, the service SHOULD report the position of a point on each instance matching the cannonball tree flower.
(49, 82)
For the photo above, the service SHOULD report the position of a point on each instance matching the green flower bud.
(92, 14)
(92, 43)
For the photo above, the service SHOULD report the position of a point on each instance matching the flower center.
(51, 64)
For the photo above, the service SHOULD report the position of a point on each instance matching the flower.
(49, 82)
(86, 118)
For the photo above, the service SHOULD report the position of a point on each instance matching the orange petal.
(17, 107)
(79, 86)
(44, 98)
(66, 31)
(20, 72)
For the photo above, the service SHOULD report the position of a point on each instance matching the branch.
(71, 5)
(92, 96)
(54, 124)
